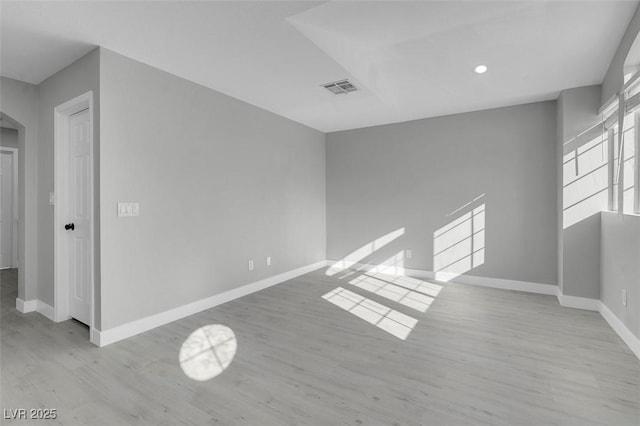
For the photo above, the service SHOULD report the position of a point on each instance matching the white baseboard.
(618, 326)
(46, 310)
(526, 286)
(503, 284)
(26, 306)
(35, 305)
(105, 337)
(94, 336)
(578, 302)
(370, 267)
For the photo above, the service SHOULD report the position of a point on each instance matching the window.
(601, 170)
(624, 183)
(628, 165)
(585, 176)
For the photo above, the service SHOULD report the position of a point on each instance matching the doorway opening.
(8, 203)
(73, 213)
(9, 209)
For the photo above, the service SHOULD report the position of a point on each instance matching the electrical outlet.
(251, 265)
(268, 260)
(52, 199)
(624, 297)
(408, 253)
(128, 209)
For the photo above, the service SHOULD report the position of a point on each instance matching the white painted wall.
(219, 182)
(20, 102)
(412, 175)
(621, 267)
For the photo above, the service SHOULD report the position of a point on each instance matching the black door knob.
(69, 226)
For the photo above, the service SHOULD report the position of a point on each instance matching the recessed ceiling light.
(481, 69)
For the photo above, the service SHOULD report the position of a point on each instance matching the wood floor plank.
(477, 356)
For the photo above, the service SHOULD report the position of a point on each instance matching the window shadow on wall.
(459, 246)
(352, 260)
(585, 174)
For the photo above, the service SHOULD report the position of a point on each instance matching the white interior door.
(78, 218)
(6, 209)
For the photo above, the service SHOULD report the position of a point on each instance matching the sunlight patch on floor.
(383, 317)
(396, 293)
(207, 352)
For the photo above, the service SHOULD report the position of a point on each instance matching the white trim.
(635, 78)
(61, 122)
(526, 286)
(609, 104)
(94, 337)
(26, 306)
(35, 305)
(15, 161)
(610, 170)
(578, 302)
(636, 166)
(620, 143)
(530, 287)
(106, 337)
(632, 341)
(16, 206)
(389, 269)
(46, 310)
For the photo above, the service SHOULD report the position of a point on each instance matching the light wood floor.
(477, 356)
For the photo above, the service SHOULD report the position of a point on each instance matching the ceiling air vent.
(341, 87)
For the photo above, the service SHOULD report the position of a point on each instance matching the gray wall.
(579, 110)
(74, 80)
(414, 174)
(8, 137)
(621, 267)
(620, 234)
(219, 182)
(580, 257)
(614, 78)
(20, 101)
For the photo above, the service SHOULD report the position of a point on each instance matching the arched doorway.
(26, 291)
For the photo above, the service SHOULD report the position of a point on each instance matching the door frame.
(15, 200)
(62, 114)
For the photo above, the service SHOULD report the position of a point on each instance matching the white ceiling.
(410, 59)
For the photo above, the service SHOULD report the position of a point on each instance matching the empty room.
(320, 212)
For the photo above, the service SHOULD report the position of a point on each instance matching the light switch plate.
(52, 199)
